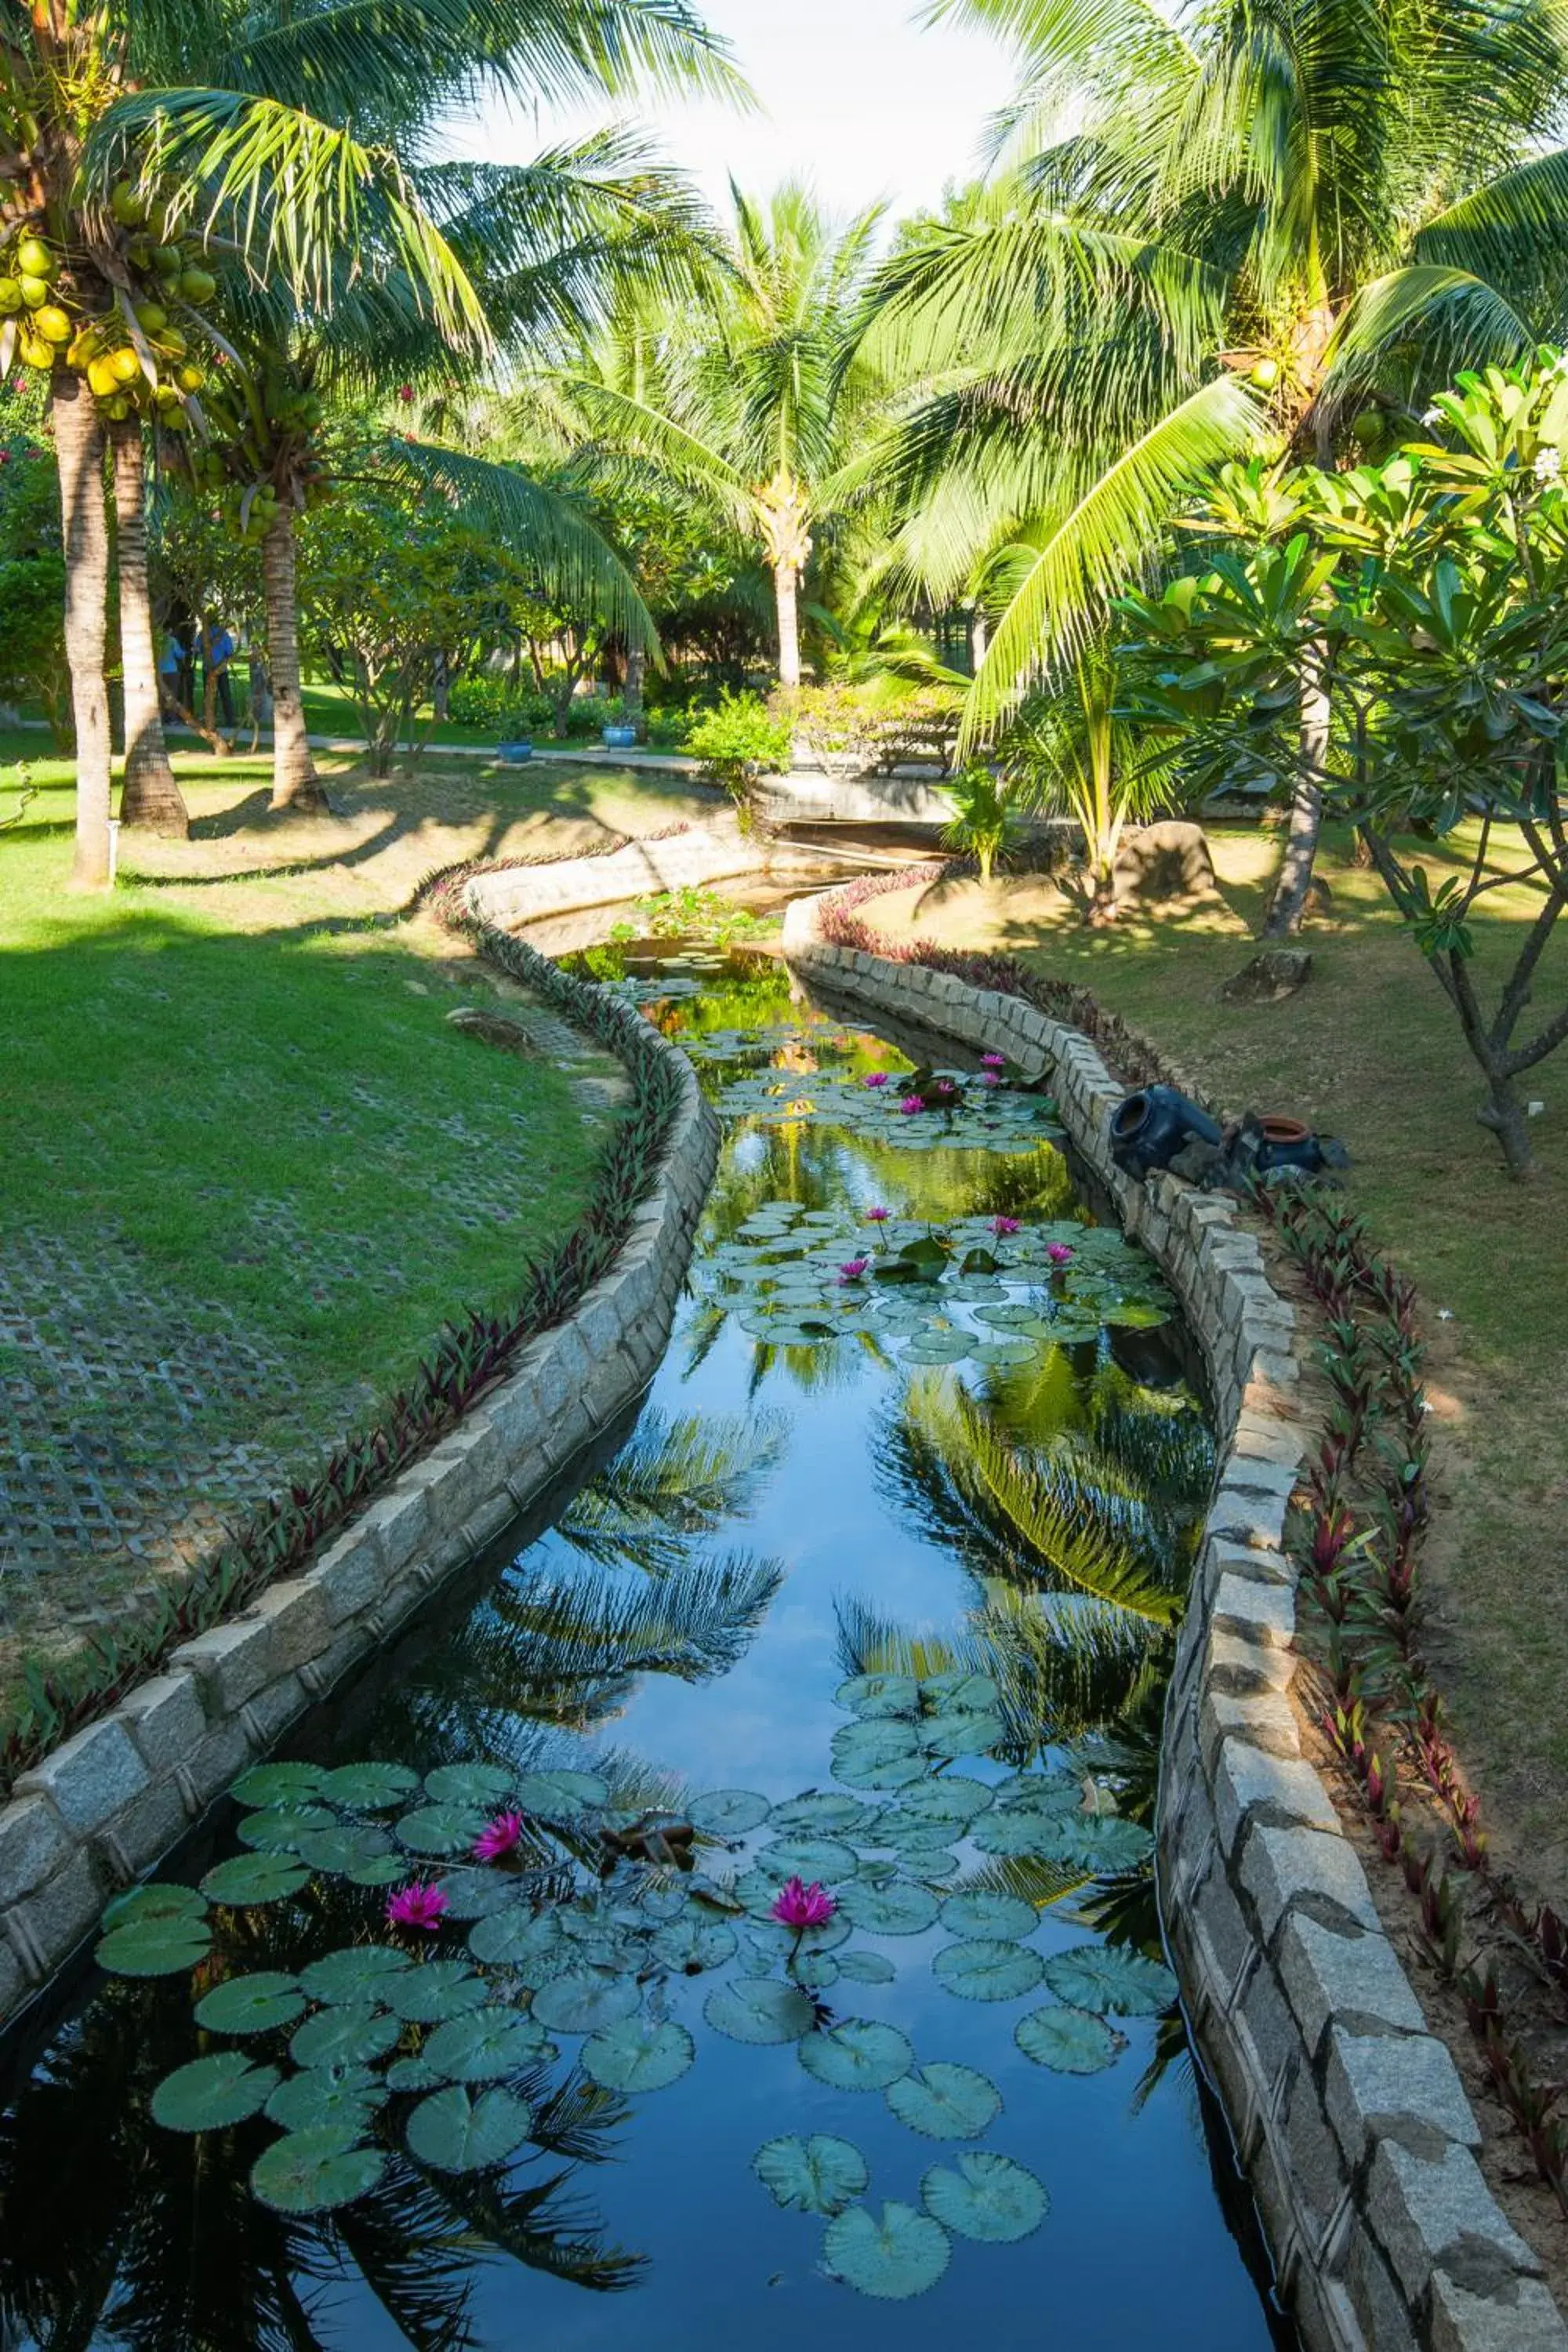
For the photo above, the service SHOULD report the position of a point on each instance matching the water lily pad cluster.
(807, 1076)
(439, 2038)
(981, 1289)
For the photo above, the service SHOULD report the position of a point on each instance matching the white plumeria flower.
(1548, 466)
(1431, 416)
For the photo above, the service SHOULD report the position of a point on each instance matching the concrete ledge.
(105, 1806)
(1349, 2117)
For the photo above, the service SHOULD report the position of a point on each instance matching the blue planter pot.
(620, 738)
(1152, 1127)
(515, 754)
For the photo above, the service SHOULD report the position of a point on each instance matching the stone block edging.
(103, 1808)
(1350, 2119)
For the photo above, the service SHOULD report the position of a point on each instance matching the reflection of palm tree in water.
(117, 2231)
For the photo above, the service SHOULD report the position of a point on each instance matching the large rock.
(1166, 864)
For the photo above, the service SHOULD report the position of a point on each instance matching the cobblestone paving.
(138, 1423)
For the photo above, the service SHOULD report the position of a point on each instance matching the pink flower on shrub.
(1002, 1226)
(874, 1078)
(853, 1269)
(992, 1061)
(501, 1836)
(1059, 1254)
(877, 1216)
(800, 1906)
(416, 1906)
(911, 1104)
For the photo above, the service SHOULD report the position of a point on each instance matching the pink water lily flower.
(877, 1216)
(501, 1836)
(991, 1077)
(874, 1078)
(1059, 1254)
(853, 1269)
(992, 1061)
(1002, 1226)
(911, 1104)
(800, 1906)
(416, 1906)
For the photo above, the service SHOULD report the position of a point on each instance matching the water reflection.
(784, 1516)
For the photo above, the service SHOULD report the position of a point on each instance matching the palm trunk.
(295, 783)
(79, 454)
(636, 664)
(786, 584)
(151, 796)
(1288, 908)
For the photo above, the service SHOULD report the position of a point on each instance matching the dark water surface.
(785, 1516)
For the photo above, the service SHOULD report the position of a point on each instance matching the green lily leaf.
(870, 1695)
(162, 1944)
(903, 2253)
(344, 2037)
(690, 1945)
(487, 1785)
(857, 2056)
(944, 2101)
(985, 1971)
(898, 1908)
(212, 2093)
(413, 2074)
(878, 1755)
(433, 1991)
(760, 2011)
(823, 1812)
(950, 1804)
(252, 2004)
(1001, 1918)
(819, 2175)
(442, 1829)
(369, 1788)
(584, 2000)
(824, 1860)
(280, 1828)
(1110, 1979)
(327, 2098)
(457, 2132)
(867, 1967)
(278, 1784)
(154, 1902)
(312, 2171)
(249, 1878)
(728, 1812)
(360, 1972)
(638, 2055)
(1068, 2041)
(986, 2197)
(483, 2046)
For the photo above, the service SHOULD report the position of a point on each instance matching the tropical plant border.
(469, 1356)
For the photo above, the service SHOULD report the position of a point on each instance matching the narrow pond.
(878, 1596)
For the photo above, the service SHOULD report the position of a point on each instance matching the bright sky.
(857, 97)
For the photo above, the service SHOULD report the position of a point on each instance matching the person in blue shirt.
(218, 649)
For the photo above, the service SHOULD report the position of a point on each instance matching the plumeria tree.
(1212, 227)
(1428, 599)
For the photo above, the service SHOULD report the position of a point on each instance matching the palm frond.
(1511, 232)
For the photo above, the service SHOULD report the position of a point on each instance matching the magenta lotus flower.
(1059, 1254)
(416, 1906)
(501, 1836)
(992, 1061)
(944, 1087)
(991, 1077)
(911, 1104)
(874, 1078)
(877, 1216)
(1002, 1226)
(853, 1269)
(800, 1906)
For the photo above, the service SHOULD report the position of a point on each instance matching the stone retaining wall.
(108, 1804)
(643, 869)
(1350, 2118)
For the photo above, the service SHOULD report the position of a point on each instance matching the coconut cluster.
(130, 350)
(261, 452)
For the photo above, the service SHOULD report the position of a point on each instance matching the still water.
(911, 1508)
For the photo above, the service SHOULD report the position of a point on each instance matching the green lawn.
(1370, 1051)
(248, 1167)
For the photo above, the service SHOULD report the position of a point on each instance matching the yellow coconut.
(34, 258)
(151, 318)
(52, 323)
(35, 351)
(126, 365)
(102, 379)
(35, 291)
(10, 298)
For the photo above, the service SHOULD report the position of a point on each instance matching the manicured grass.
(1370, 1051)
(232, 1081)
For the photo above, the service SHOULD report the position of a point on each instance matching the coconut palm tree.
(755, 403)
(111, 156)
(1212, 227)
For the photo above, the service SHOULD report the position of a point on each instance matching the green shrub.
(740, 741)
(495, 704)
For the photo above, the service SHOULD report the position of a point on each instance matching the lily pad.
(483, 2046)
(870, 1695)
(892, 2256)
(867, 1967)
(860, 2054)
(728, 1812)
(166, 1944)
(369, 1788)
(344, 2037)
(469, 1784)
(458, 2133)
(961, 1690)
(583, 2001)
(1068, 2041)
(1004, 1918)
(761, 2011)
(312, 2171)
(563, 1793)
(951, 1803)
(986, 2197)
(210, 2094)
(434, 1992)
(252, 2004)
(898, 1908)
(154, 1902)
(278, 1784)
(348, 1848)
(826, 1861)
(690, 1945)
(406, 2074)
(986, 1970)
(358, 1973)
(442, 1829)
(318, 2098)
(824, 1813)
(249, 1878)
(530, 1942)
(819, 2175)
(638, 2055)
(878, 1755)
(280, 1828)
(956, 1733)
(477, 1893)
(1098, 1844)
(1108, 1978)
(945, 2102)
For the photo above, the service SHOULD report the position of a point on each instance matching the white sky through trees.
(856, 96)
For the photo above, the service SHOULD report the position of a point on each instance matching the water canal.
(878, 1595)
